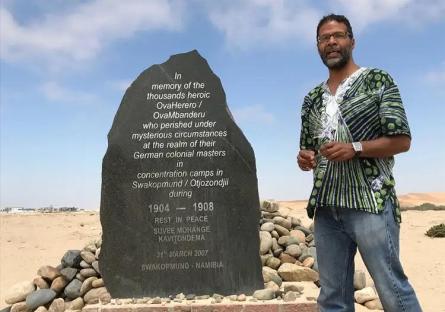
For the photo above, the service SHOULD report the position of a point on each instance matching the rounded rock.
(273, 263)
(59, 284)
(264, 258)
(282, 231)
(272, 285)
(303, 247)
(97, 254)
(98, 242)
(19, 307)
(268, 227)
(359, 279)
(68, 273)
(91, 247)
(105, 298)
(94, 294)
(278, 252)
(18, 292)
(275, 243)
(293, 250)
(283, 222)
(293, 286)
(265, 242)
(275, 234)
(84, 265)
(283, 240)
(76, 304)
(95, 266)
(308, 262)
(304, 255)
(374, 304)
(87, 285)
(264, 294)
(88, 256)
(366, 294)
(98, 283)
(88, 272)
(39, 298)
(270, 274)
(71, 258)
(299, 235)
(292, 240)
(58, 305)
(270, 206)
(72, 290)
(241, 297)
(48, 272)
(40, 282)
(306, 231)
(296, 273)
(285, 258)
(291, 296)
(80, 277)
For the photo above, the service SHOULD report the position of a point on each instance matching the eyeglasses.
(339, 35)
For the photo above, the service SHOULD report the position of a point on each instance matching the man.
(352, 126)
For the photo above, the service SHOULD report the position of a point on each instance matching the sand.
(28, 241)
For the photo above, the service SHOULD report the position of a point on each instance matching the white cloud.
(253, 114)
(58, 93)
(363, 13)
(82, 32)
(247, 23)
(262, 22)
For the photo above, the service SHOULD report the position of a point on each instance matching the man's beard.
(337, 62)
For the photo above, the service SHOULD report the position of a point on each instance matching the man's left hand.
(337, 151)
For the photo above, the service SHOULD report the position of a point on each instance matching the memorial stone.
(179, 203)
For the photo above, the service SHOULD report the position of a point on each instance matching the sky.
(65, 65)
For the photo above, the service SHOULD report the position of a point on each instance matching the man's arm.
(306, 155)
(385, 146)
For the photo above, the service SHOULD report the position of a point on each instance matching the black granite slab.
(179, 205)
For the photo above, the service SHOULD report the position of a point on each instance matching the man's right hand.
(306, 160)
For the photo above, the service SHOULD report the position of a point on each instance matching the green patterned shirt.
(366, 106)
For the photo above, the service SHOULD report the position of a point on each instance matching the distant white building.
(43, 209)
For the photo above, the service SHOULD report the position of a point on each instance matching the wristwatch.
(358, 148)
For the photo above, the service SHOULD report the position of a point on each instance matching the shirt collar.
(345, 84)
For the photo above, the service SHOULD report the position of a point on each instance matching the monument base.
(258, 306)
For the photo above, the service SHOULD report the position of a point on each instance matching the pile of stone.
(76, 281)
(287, 248)
(365, 294)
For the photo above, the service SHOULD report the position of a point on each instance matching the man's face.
(334, 47)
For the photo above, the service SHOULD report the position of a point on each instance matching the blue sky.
(66, 64)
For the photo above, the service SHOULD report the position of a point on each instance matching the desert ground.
(28, 241)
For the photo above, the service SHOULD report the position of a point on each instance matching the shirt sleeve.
(392, 114)
(306, 139)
